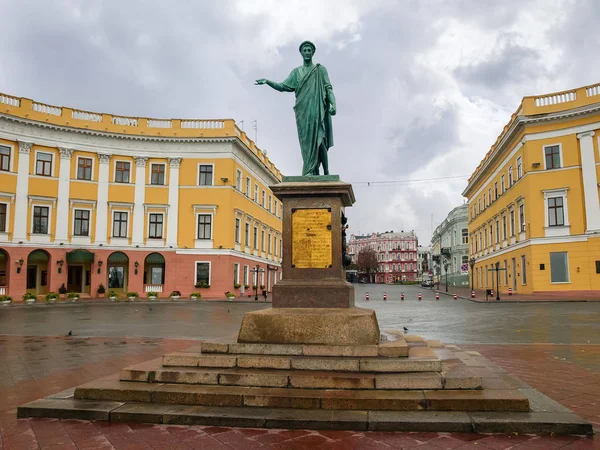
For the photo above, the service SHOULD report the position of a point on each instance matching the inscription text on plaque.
(311, 238)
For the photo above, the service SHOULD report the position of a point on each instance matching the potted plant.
(152, 295)
(202, 284)
(5, 300)
(195, 296)
(112, 295)
(236, 285)
(175, 295)
(29, 298)
(101, 290)
(132, 296)
(62, 290)
(230, 296)
(73, 296)
(51, 297)
(262, 287)
(246, 286)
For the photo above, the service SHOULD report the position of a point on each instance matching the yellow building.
(533, 201)
(134, 204)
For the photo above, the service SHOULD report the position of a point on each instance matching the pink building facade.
(396, 255)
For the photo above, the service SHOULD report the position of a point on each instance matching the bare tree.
(366, 261)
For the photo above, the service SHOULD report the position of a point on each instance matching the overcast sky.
(423, 87)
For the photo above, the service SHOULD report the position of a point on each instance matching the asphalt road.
(452, 321)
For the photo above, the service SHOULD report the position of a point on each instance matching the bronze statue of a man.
(315, 104)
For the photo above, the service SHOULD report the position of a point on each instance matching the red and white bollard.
(367, 296)
(472, 294)
(402, 296)
(437, 296)
(420, 296)
(384, 296)
(455, 296)
(509, 291)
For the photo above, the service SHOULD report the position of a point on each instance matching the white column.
(590, 187)
(102, 203)
(173, 212)
(138, 207)
(61, 231)
(20, 223)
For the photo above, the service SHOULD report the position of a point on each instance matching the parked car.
(427, 283)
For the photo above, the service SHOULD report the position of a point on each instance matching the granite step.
(557, 422)
(335, 399)
(153, 372)
(420, 359)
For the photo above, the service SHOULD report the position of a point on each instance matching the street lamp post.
(446, 269)
(256, 271)
(472, 264)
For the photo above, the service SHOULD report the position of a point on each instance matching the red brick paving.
(33, 367)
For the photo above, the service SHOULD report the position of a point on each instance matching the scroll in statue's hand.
(261, 81)
(332, 109)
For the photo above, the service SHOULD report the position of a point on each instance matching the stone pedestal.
(312, 303)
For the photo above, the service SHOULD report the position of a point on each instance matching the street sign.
(464, 268)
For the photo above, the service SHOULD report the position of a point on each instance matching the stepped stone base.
(428, 387)
(324, 326)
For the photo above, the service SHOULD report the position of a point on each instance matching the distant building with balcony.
(533, 200)
(451, 242)
(396, 254)
(132, 204)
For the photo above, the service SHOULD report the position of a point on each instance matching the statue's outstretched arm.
(277, 86)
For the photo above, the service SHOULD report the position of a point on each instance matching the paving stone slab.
(68, 409)
(425, 421)
(460, 377)
(139, 413)
(264, 362)
(199, 360)
(66, 394)
(325, 363)
(340, 350)
(400, 365)
(213, 347)
(421, 352)
(317, 419)
(215, 416)
(530, 422)
(375, 400)
(254, 379)
(266, 349)
(538, 402)
(476, 400)
(414, 380)
(185, 376)
(330, 380)
(393, 349)
(199, 395)
(115, 390)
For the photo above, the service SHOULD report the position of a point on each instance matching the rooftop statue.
(315, 104)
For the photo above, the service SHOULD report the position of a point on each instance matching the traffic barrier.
(437, 295)
(509, 291)
(367, 296)
(420, 296)
(472, 294)
(402, 296)
(455, 296)
(384, 296)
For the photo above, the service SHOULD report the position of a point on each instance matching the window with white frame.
(247, 234)
(512, 222)
(510, 176)
(157, 175)
(276, 208)
(3, 211)
(556, 213)
(269, 244)
(203, 273)
(255, 238)
(465, 235)
(122, 171)
(262, 241)
(495, 190)
(236, 273)
(43, 164)
(523, 270)
(270, 204)
(81, 225)
(484, 200)
(247, 186)
(238, 180)
(490, 195)
(502, 186)
(497, 230)
(275, 245)
(504, 226)
(263, 198)
(485, 237)
(5, 158)
(84, 168)
(256, 193)
(41, 216)
(237, 231)
(521, 217)
(552, 157)
(519, 168)
(120, 224)
(559, 267)
(204, 226)
(155, 226)
(205, 175)
(246, 280)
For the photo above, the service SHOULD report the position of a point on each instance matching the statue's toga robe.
(313, 120)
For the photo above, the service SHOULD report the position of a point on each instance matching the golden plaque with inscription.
(311, 238)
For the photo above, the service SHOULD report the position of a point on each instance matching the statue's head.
(307, 49)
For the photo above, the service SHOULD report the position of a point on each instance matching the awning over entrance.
(37, 256)
(118, 258)
(155, 258)
(80, 256)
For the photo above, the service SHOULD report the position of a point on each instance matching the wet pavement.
(457, 321)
